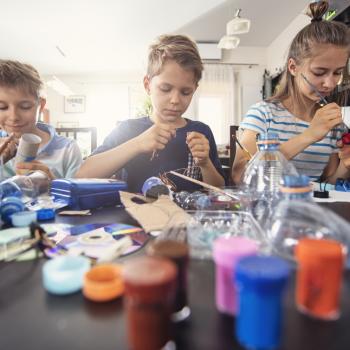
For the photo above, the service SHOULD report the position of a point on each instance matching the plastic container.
(262, 176)
(204, 227)
(296, 219)
(178, 253)
(260, 284)
(319, 277)
(27, 186)
(10, 206)
(153, 187)
(150, 285)
(226, 253)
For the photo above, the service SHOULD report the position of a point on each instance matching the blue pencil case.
(80, 194)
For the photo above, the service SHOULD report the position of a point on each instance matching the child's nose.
(330, 82)
(175, 98)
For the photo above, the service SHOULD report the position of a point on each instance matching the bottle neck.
(268, 145)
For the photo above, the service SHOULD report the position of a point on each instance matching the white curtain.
(214, 101)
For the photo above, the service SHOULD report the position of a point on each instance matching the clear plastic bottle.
(26, 187)
(263, 174)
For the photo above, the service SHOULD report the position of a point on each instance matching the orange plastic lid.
(309, 249)
(103, 283)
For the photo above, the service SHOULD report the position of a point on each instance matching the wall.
(107, 100)
(278, 49)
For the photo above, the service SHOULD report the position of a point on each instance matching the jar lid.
(168, 248)
(263, 273)
(227, 250)
(103, 283)
(311, 249)
(64, 275)
(9, 206)
(45, 214)
(150, 278)
(23, 218)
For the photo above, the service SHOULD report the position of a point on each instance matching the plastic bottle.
(25, 187)
(263, 175)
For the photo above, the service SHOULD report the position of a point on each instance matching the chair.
(233, 132)
(86, 138)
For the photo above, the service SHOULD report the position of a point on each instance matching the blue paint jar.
(260, 282)
(10, 206)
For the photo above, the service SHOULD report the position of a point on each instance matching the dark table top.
(30, 318)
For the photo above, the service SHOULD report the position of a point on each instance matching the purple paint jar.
(226, 253)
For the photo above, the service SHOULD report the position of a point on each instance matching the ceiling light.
(228, 42)
(59, 86)
(238, 25)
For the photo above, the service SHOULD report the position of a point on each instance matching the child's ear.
(146, 83)
(292, 67)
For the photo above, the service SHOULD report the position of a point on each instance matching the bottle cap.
(103, 283)
(23, 218)
(262, 273)
(64, 275)
(295, 181)
(45, 214)
(154, 187)
(226, 251)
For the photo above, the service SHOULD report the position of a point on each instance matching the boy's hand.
(344, 154)
(199, 147)
(23, 168)
(325, 119)
(8, 147)
(156, 137)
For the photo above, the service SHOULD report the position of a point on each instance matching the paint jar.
(178, 253)
(226, 253)
(150, 285)
(319, 277)
(260, 283)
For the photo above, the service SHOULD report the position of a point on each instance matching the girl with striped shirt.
(309, 130)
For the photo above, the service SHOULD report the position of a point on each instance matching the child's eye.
(3, 108)
(186, 93)
(164, 89)
(26, 107)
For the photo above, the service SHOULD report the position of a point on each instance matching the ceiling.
(81, 36)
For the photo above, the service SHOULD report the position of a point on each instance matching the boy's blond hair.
(19, 75)
(178, 48)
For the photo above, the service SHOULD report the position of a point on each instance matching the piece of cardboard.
(154, 215)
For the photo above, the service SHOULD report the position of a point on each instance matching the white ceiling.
(113, 35)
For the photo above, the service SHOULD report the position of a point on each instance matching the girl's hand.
(344, 154)
(199, 147)
(8, 147)
(156, 137)
(325, 119)
(23, 168)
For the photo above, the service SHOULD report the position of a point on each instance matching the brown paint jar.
(177, 252)
(150, 285)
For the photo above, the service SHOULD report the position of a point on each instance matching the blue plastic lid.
(9, 206)
(271, 136)
(45, 214)
(149, 183)
(295, 181)
(263, 273)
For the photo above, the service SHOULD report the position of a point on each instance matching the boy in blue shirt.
(20, 104)
(165, 141)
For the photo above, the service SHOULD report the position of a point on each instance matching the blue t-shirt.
(176, 154)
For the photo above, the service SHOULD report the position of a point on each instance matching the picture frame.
(74, 104)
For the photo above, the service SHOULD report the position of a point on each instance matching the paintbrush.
(246, 152)
(205, 185)
(314, 89)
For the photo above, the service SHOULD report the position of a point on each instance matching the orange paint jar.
(319, 277)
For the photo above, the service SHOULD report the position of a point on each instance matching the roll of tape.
(95, 238)
(64, 275)
(23, 218)
(103, 283)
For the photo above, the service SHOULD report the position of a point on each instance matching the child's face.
(171, 92)
(324, 71)
(18, 110)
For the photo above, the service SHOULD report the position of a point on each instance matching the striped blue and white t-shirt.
(274, 117)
